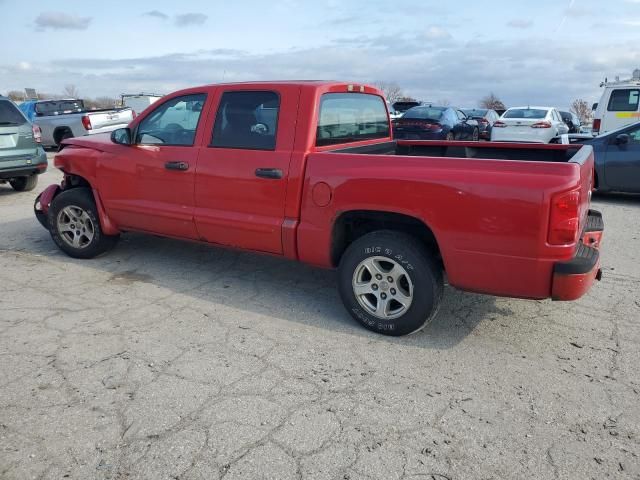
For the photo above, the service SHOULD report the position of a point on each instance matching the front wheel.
(24, 184)
(75, 227)
(475, 136)
(389, 283)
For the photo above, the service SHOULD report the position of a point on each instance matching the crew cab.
(310, 171)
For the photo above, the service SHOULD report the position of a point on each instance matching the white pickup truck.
(62, 119)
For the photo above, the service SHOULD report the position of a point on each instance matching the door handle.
(273, 173)
(176, 166)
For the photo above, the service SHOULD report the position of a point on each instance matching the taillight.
(86, 122)
(596, 126)
(544, 124)
(565, 218)
(499, 124)
(37, 133)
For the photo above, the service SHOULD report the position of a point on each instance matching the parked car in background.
(485, 118)
(435, 123)
(529, 125)
(22, 157)
(62, 119)
(402, 106)
(618, 106)
(571, 120)
(393, 114)
(617, 158)
(138, 102)
(309, 171)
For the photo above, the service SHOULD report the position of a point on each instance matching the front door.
(242, 174)
(149, 185)
(622, 162)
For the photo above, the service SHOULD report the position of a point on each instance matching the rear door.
(242, 172)
(149, 185)
(621, 109)
(622, 162)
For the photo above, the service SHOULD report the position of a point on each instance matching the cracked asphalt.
(170, 360)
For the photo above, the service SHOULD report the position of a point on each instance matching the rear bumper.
(24, 166)
(574, 278)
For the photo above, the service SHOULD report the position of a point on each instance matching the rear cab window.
(10, 115)
(59, 107)
(624, 100)
(351, 117)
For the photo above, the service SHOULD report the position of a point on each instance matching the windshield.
(10, 115)
(425, 113)
(474, 113)
(525, 113)
(351, 117)
(58, 107)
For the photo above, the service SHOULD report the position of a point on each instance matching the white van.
(619, 105)
(138, 102)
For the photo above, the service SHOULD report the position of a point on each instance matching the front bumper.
(574, 278)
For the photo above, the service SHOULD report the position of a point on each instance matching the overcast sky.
(540, 52)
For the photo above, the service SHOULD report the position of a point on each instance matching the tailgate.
(585, 159)
(110, 118)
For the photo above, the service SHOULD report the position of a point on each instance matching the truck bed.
(555, 153)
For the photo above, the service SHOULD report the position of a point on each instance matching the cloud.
(519, 72)
(520, 23)
(156, 14)
(436, 33)
(61, 21)
(187, 19)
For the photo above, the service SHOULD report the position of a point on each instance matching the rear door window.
(247, 120)
(351, 117)
(624, 100)
(10, 115)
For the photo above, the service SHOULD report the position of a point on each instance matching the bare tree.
(100, 102)
(493, 102)
(71, 91)
(407, 99)
(582, 109)
(16, 95)
(391, 91)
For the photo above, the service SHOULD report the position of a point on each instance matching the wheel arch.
(59, 132)
(353, 224)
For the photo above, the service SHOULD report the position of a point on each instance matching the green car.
(22, 158)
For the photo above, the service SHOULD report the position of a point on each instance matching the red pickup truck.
(310, 171)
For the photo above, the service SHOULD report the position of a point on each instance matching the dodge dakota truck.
(310, 171)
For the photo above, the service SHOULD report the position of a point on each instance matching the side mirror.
(121, 136)
(622, 139)
(594, 106)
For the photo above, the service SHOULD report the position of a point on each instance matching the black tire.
(24, 184)
(450, 137)
(475, 136)
(413, 257)
(80, 199)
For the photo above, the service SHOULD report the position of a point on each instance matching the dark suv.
(22, 157)
(572, 121)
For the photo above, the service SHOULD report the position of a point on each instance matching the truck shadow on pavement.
(214, 276)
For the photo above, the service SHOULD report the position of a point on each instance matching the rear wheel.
(24, 184)
(389, 283)
(75, 227)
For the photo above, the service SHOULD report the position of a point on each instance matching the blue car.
(435, 123)
(617, 158)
